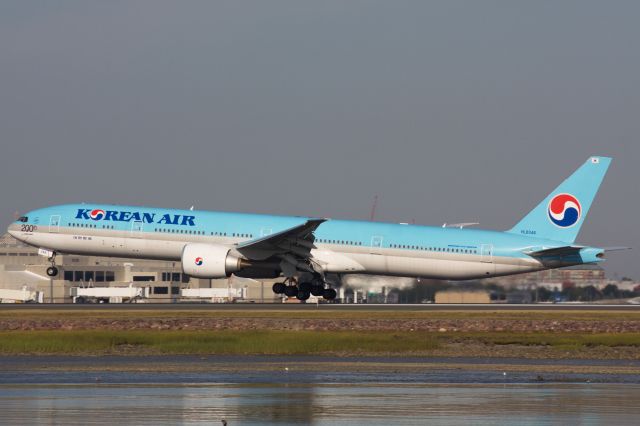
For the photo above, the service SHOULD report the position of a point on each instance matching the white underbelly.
(109, 246)
(417, 264)
(471, 267)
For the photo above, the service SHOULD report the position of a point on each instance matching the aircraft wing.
(295, 242)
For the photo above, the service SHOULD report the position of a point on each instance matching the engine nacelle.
(209, 261)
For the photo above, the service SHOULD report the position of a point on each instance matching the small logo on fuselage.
(199, 261)
(564, 210)
(96, 214)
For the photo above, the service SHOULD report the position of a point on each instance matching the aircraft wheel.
(278, 288)
(303, 295)
(291, 291)
(329, 294)
(305, 286)
(52, 271)
(317, 290)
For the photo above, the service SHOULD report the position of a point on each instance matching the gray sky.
(450, 111)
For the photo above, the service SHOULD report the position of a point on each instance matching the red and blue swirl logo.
(199, 261)
(564, 210)
(96, 214)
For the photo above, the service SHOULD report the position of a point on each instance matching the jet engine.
(210, 261)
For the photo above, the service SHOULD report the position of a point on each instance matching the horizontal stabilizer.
(567, 251)
(556, 251)
(587, 254)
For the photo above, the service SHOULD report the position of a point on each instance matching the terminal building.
(579, 276)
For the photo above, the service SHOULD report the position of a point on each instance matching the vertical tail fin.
(560, 215)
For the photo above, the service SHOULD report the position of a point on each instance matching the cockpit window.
(23, 219)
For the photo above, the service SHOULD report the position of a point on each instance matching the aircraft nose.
(15, 233)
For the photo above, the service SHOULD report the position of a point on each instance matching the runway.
(324, 307)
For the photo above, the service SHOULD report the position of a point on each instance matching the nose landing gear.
(52, 270)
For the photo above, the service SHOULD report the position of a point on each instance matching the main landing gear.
(52, 270)
(304, 289)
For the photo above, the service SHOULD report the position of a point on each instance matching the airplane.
(306, 251)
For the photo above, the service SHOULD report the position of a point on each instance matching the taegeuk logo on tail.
(564, 210)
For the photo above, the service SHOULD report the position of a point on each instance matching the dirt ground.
(486, 324)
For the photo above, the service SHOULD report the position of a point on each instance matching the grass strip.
(213, 342)
(294, 314)
(565, 341)
(264, 342)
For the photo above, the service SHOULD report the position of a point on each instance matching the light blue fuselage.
(340, 246)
